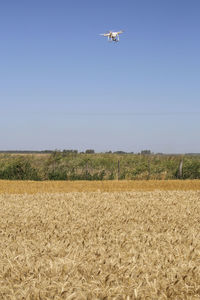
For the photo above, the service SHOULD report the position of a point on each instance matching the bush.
(19, 169)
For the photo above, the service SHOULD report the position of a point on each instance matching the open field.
(31, 187)
(99, 245)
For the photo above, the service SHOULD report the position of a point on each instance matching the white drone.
(113, 36)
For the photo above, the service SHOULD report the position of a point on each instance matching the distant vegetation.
(88, 165)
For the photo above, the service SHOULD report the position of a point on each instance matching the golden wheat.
(32, 187)
(95, 245)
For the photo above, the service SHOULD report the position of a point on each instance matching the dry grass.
(95, 245)
(32, 187)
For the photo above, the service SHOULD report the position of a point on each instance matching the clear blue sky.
(63, 86)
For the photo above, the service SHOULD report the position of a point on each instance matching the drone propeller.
(106, 34)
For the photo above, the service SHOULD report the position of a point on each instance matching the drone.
(112, 36)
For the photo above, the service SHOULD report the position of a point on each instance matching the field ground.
(104, 242)
(31, 187)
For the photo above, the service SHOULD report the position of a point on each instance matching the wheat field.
(138, 244)
(32, 187)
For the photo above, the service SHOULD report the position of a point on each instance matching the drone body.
(112, 35)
